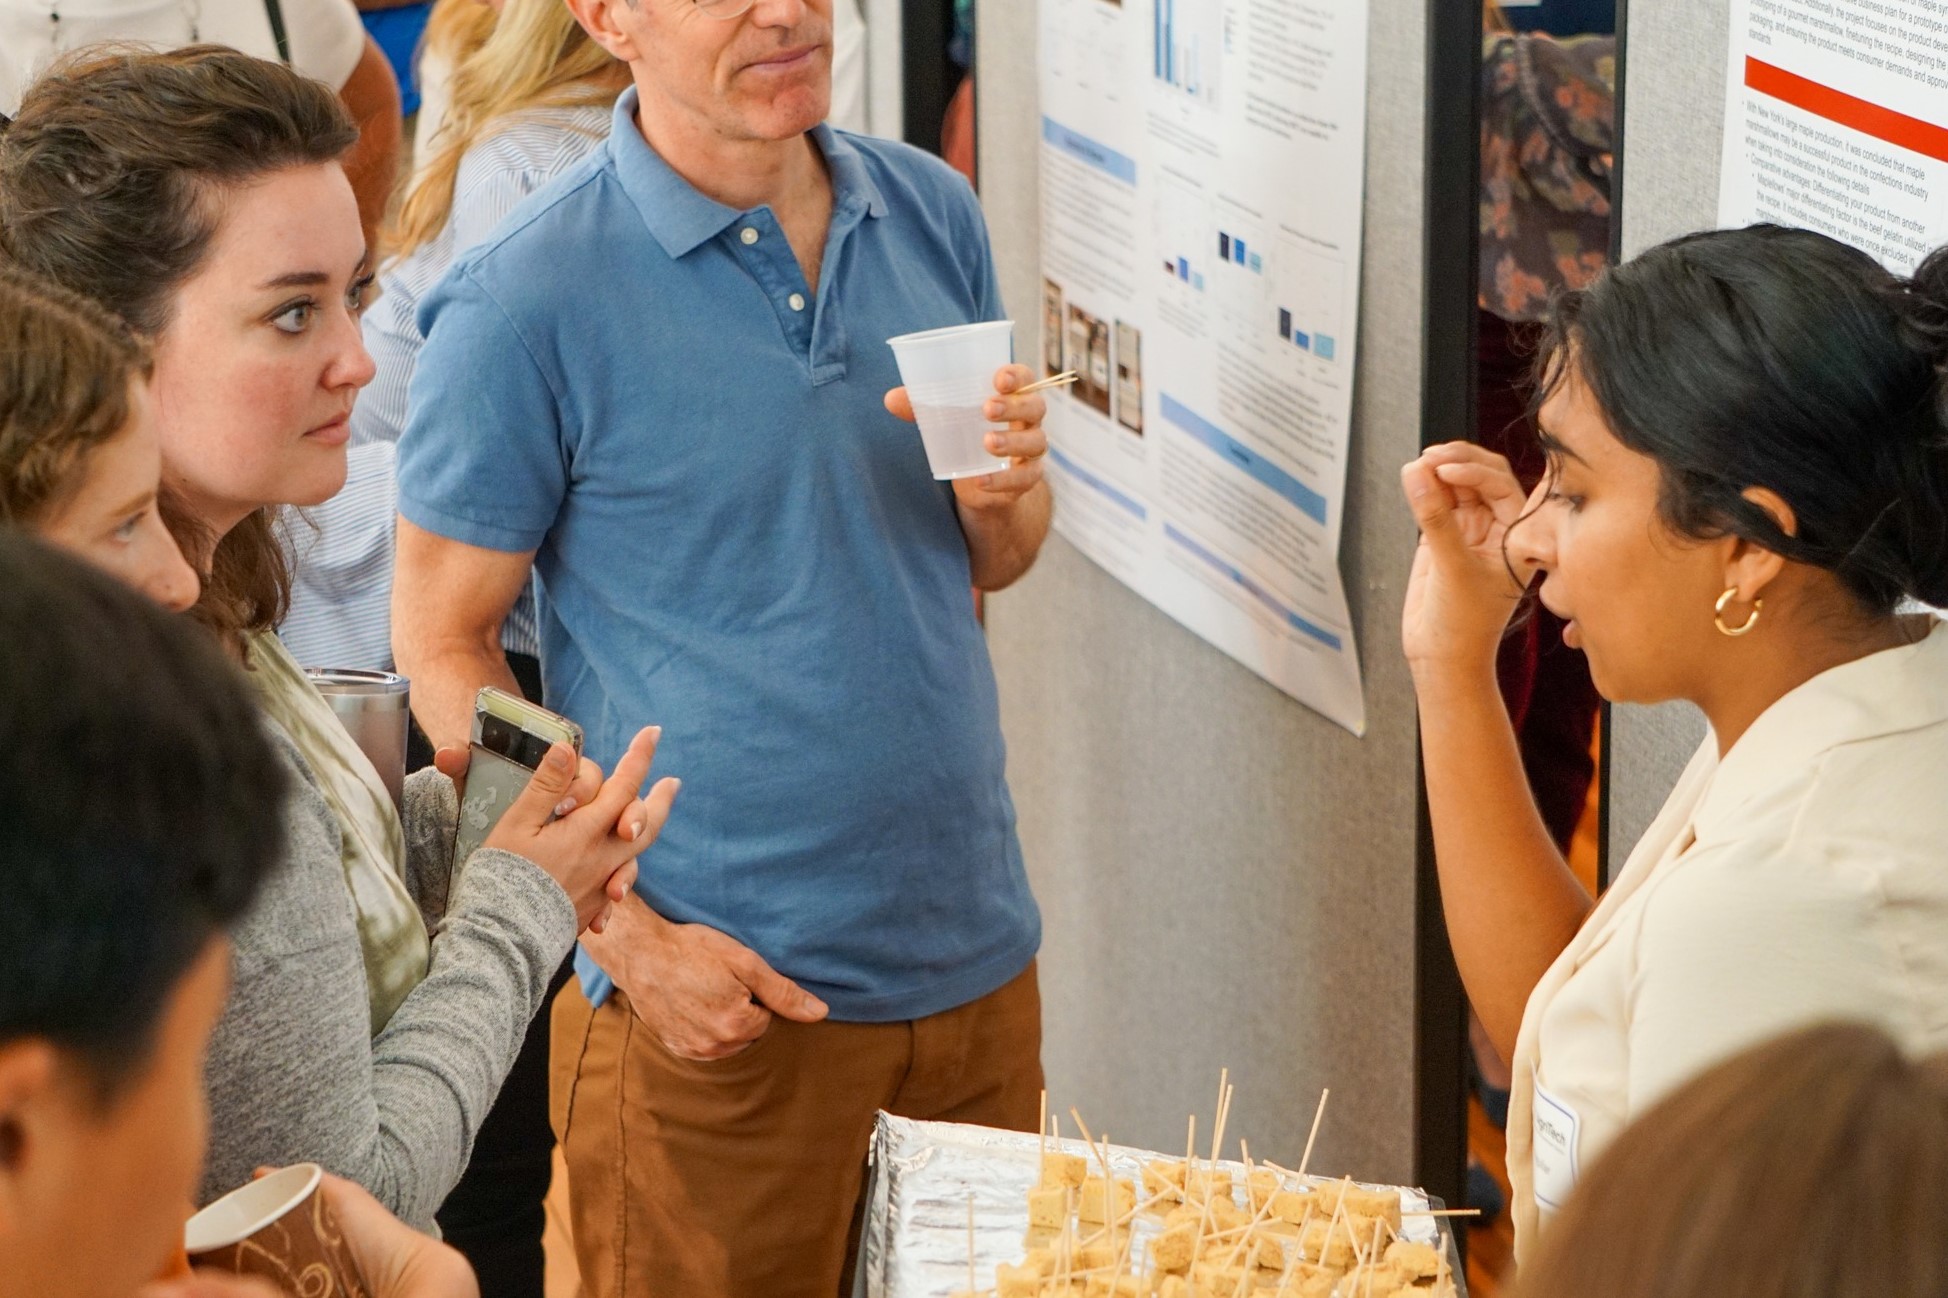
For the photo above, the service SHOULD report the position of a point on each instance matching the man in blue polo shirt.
(664, 386)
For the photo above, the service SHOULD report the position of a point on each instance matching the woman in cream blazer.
(1748, 482)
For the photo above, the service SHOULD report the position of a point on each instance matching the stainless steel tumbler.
(375, 709)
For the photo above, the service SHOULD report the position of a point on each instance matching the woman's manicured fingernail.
(563, 807)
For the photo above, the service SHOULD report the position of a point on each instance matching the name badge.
(1557, 1134)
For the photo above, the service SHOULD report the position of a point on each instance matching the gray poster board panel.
(1675, 88)
(1226, 877)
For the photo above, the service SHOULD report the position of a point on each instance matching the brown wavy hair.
(110, 180)
(1813, 1166)
(66, 366)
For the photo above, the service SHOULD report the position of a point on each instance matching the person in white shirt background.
(1748, 481)
(324, 39)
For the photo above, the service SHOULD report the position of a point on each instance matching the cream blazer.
(1803, 877)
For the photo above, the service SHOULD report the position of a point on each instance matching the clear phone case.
(493, 782)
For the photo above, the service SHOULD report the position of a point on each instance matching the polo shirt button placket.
(796, 301)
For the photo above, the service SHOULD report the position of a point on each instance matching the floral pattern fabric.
(1547, 136)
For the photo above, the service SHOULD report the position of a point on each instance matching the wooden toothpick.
(1061, 380)
(1217, 1114)
(1223, 1108)
(1318, 1116)
(1102, 1155)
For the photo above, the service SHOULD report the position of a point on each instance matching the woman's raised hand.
(1464, 585)
(586, 832)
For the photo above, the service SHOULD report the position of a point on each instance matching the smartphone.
(510, 737)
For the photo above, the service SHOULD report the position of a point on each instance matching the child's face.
(94, 1192)
(111, 519)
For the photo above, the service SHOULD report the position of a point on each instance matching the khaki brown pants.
(744, 1177)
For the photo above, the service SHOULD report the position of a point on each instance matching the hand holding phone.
(510, 737)
(586, 832)
(591, 851)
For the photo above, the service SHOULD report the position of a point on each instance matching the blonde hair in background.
(456, 28)
(536, 56)
(1493, 20)
(1813, 1166)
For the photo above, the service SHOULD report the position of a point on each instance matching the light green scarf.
(391, 933)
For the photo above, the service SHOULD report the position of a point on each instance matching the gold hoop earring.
(1718, 615)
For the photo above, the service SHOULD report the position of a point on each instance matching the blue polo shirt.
(735, 541)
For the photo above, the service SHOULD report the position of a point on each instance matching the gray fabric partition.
(1226, 877)
(1674, 117)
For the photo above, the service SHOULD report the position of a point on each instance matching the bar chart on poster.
(1202, 184)
(1189, 45)
(1837, 120)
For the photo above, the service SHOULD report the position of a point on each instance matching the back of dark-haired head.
(110, 170)
(1783, 359)
(140, 806)
(65, 369)
(1813, 1166)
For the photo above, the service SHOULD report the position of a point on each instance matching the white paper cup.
(949, 373)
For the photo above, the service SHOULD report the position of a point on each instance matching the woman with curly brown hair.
(199, 193)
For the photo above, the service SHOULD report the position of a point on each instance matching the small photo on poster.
(1129, 377)
(1051, 328)
(1089, 358)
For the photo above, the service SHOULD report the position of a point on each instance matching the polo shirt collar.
(682, 218)
(1885, 693)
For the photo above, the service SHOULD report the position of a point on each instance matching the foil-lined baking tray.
(923, 1177)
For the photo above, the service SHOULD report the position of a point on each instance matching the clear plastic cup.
(949, 374)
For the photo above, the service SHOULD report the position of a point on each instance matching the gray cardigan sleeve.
(294, 1074)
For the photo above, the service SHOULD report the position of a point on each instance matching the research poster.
(1202, 167)
(1836, 119)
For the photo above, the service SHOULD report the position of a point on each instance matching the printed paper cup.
(278, 1228)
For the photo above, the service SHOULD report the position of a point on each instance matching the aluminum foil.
(927, 1180)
